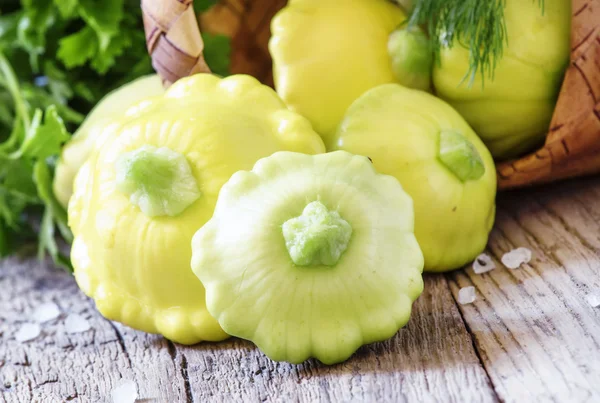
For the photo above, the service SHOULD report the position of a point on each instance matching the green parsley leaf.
(61, 57)
(76, 49)
(106, 59)
(43, 140)
(103, 17)
(53, 213)
(201, 6)
(217, 53)
(67, 8)
(32, 28)
(4, 247)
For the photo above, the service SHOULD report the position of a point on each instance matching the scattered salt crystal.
(483, 264)
(46, 312)
(126, 392)
(75, 323)
(516, 258)
(593, 300)
(27, 332)
(466, 295)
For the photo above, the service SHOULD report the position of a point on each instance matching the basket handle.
(173, 39)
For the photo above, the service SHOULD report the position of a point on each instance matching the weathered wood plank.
(537, 335)
(431, 360)
(534, 331)
(85, 367)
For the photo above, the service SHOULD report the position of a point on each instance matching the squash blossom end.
(460, 156)
(317, 237)
(157, 180)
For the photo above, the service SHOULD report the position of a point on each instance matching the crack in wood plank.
(531, 329)
(536, 335)
(520, 349)
(121, 343)
(57, 366)
(527, 296)
(186, 379)
(554, 289)
(432, 359)
(478, 351)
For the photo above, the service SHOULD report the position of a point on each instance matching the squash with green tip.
(310, 256)
(438, 159)
(111, 108)
(153, 181)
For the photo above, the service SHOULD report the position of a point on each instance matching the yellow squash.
(438, 159)
(326, 53)
(511, 112)
(153, 181)
(110, 109)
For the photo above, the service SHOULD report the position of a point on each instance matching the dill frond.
(478, 25)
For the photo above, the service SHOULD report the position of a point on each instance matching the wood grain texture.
(60, 367)
(530, 336)
(538, 337)
(431, 360)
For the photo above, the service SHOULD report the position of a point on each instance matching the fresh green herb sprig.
(477, 25)
(26, 159)
(57, 59)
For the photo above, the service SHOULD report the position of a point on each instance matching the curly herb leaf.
(61, 57)
(25, 174)
(478, 25)
(217, 50)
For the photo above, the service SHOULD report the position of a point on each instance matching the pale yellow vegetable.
(110, 109)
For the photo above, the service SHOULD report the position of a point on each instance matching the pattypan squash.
(439, 161)
(310, 256)
(511, 111)
(107, 111)
(153, 181)
(411, 56)
(326, 53)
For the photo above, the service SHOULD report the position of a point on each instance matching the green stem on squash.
(460, 156)
(157, 180)
(317, 237)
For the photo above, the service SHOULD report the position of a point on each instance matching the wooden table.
(530, 335)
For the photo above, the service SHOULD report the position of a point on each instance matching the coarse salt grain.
(126, 392)
(27, 332)
(483, 264)
(516, 257)
(46, 312)
(75, 323)
(593, 300)
(466, 295)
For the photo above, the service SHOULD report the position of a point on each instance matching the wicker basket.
(572, 146)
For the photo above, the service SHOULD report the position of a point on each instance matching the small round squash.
(153, 181)
(310, 256)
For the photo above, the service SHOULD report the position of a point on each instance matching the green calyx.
(460, 156)
(411, 57)
(157, 180)
(317, 237)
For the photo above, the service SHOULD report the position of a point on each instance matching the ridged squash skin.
(511, 112)
(310, 256)
(137, 267)
(400, 129)
(326, 53)
(110, 109)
